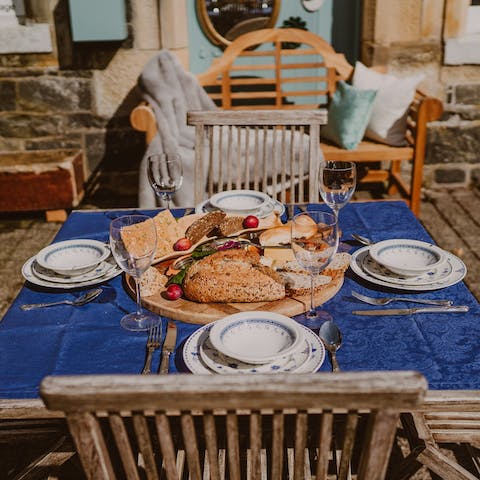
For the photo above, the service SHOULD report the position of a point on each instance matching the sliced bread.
(204, 225)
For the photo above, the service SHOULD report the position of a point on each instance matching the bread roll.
(232, 276)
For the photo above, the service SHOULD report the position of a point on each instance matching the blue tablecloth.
(67, 340)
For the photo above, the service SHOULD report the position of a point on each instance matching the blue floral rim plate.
(193, 360)
(459, 270)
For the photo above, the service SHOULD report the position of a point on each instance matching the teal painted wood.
(202, 51)
(97, 21)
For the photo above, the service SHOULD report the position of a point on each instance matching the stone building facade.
(57, 93)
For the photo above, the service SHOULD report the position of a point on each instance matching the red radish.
(182, 244)
(174, 291)
(250, 222)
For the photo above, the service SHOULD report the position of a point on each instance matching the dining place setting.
(300, 258)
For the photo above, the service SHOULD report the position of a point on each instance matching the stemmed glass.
(165, 174)
(314, 242)
(337, 182)
(133, 240)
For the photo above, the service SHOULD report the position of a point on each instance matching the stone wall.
(412, 36)
(80, 95)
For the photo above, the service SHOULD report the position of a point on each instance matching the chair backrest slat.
(324, 444)
(122, 441)
(235, 426)
(145, 445)
(275, 151)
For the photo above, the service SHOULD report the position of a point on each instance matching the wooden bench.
(277, 76)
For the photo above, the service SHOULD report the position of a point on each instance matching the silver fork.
(385, 300)
(153, 342)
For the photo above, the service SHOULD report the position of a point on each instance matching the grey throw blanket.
(171, 92)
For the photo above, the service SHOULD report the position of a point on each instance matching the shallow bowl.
(256, 337)
(73, 257)
(407, 257)
(239, 201)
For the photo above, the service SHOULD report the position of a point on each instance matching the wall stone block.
(453, 142)
(27, 126)
(467, 94)
(7, 95)
(475, 177)
(65, 142)
(450, 175)
(54, 94)
(82, 121)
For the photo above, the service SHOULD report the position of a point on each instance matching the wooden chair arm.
(143, 119)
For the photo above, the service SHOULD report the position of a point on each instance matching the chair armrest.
(143, 119)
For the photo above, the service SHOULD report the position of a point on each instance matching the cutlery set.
(153, 343)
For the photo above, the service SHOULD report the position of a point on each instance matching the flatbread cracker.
(151, 282)
(137, 239)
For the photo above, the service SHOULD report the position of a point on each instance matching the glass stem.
(139, 300)
(312, 307)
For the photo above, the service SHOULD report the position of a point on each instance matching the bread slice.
(151, 282)
(232, 276)
(230, 225)
(298, 284)
(204, 225)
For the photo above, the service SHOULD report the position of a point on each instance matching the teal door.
(202, 51)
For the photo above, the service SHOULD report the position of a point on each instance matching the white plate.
(239, 201)
(73, 257)
(256, 336)
(28, 274)
(193, 361)
(272, 206)
(51, 276)
(379, 271)
(459, 271)
(220, 363)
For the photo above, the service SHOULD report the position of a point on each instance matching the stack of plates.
(35, 268)
(253, 342)
(449, 272)
(242, 202)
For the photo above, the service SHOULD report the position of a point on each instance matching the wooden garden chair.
(241, 426)
(274, 151)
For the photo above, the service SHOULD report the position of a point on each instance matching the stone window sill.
(463, 50)
(26, 39)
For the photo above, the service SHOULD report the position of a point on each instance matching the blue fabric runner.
(64, 340)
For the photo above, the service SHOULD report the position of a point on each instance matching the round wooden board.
(203, 313)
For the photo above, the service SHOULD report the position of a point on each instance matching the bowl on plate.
(407, 257)
(256, 337)
(73, 257)
(240, 202)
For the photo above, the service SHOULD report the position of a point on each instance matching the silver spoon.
(363, 240)
(332, 339)
(82, 300)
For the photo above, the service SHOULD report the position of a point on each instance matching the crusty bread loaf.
(232, 276)
(204, 225)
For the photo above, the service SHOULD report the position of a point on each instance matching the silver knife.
(168, 347)
(409, 311)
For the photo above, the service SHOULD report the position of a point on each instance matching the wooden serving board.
(203, 313)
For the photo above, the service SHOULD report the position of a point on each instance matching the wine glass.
(133, 240)
(165, 174)
(337, 181)
(314, 242)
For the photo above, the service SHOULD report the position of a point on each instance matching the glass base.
(138, 323)
(313, 322)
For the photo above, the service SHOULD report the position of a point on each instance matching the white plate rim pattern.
(459, 272)
(274, 206)
(368, 264)
(52, 276)
(101, 247)
(193, 361)
(289, 363)
(30, 276)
